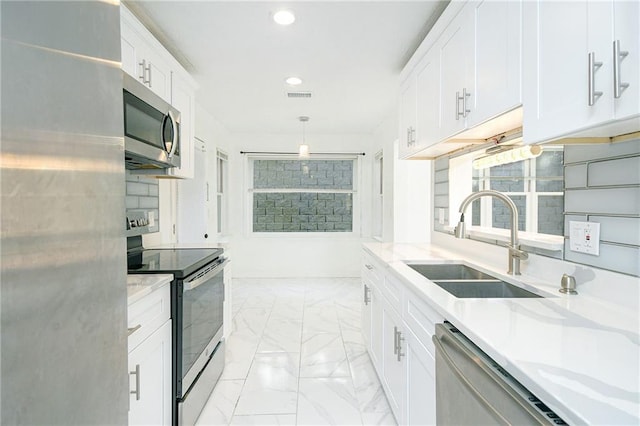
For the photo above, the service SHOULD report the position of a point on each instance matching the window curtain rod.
(295, 153)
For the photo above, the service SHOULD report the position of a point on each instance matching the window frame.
(249, 191)
(529, 192)
(222, 193)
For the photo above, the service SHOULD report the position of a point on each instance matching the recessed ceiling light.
(284, 17)
(293, 81)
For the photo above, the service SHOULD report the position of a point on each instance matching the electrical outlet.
(584, 237)
(441, 216)
(151, 218)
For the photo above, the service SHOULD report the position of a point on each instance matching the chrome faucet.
(515, 254)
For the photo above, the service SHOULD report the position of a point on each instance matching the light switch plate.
(152, 219)
(584, 237)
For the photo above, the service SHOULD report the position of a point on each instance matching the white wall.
(328, 255)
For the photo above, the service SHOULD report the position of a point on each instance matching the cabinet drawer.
(372, 270)
(147, 315)
(421, 319)
(393, 290)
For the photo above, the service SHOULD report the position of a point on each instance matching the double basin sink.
(465, 282)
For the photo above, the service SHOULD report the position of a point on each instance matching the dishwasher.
(472, 389)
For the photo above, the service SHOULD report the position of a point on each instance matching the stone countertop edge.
(140, 285)
(577, 354)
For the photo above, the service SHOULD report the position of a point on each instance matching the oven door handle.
(190, 285)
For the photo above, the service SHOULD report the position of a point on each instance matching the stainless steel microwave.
(151, 129)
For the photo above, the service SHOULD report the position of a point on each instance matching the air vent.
(298, 94)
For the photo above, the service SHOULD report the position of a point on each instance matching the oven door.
(199, 328)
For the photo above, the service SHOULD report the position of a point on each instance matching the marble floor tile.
(281, 335)
(251, 320)
(327, 402)
(369, 391)
(239, 353)
(271, 386)
(323, 355)
(320, 320)
(381, 419)
(265, 420)
(222, 402)
(296, 355)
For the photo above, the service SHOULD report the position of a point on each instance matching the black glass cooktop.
(179, 262)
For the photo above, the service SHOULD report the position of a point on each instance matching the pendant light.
(303, 149)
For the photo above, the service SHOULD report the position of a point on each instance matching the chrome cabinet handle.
(399, 339)
(367, 295)
(408, 136)
(369, 267)
(413, 136)
(136, 392)
(146, 70)
(465, 110)
(593, 67)
(463, 98)
(133, 329)
(395, 340)
(618, 56)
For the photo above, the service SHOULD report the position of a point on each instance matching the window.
(378, 195)
(221, 191)
(295, 195)
(536, 188)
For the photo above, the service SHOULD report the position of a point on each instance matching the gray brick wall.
(303, 211)
(307, 174)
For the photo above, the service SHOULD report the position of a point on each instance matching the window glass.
(303, 195)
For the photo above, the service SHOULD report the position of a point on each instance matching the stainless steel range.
(197, 296)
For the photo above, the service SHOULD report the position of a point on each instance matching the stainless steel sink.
(465, 282)
(484, 289)
(449, 271)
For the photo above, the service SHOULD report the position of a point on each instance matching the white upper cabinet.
(183, 99)
(626, 38)
(498, 59)
(457, 86)
(467, 71)
(408, 118)
(570, 71)
(144, 58)
(140, 58)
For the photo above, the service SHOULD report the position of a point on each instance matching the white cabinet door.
(421, 383)
(498, 31)
(183, 99)
(569, 72)
(376, 344)
(366, 311)
(626, 31)
(456, 79)
(428, 101)
(143, 57)
(407, 133)
(393, 366)
(150, 379)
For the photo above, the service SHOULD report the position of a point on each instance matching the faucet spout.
(515, 254)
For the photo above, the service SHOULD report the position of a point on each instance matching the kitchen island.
(578, 354)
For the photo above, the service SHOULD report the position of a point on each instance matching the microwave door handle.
(190, 285)
(174, 141)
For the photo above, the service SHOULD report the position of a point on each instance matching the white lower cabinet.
(393, 365)
(150, 379)
(398, 337)
(149, 322)
(421, 383)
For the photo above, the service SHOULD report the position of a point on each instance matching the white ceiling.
(348, 53)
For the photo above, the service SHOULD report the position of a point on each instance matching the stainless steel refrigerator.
(63, 347)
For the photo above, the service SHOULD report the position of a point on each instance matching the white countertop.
(578, 354)
(139, 285)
